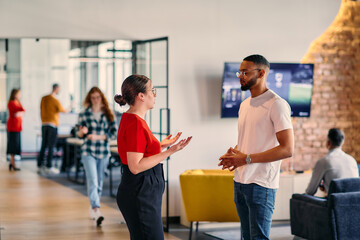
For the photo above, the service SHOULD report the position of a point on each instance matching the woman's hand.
(180, 145)
(94, 137)
(84, 130)
(138, 163)
(168, 141)
(19, 114)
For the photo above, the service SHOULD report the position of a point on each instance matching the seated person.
(335, 164)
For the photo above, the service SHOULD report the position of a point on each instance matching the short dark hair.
(258, 60)
(336, 137)
(55, 85)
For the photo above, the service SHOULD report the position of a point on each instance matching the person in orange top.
(50, 108)
(140, 192)
(14, 127)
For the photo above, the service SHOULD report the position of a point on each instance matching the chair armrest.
(311, 199)
(349, 199)
(345, 208)
(306, 212)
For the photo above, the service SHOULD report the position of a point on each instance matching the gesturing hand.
(180, 145)
(168, 141)
(232, 159)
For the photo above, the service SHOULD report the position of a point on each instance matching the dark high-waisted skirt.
(13, 143)
(139, 199)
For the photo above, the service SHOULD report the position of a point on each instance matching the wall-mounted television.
(291, 81)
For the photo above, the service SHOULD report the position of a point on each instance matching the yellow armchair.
(208, 195)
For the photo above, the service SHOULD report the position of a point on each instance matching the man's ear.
(328, 144)
(262, 73)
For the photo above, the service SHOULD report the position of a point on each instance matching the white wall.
(43, 63)
(202, 35)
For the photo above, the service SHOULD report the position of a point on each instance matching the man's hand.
(232, 159)
(322, 187)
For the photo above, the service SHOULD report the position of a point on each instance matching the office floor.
(207, 231)
(46, 196)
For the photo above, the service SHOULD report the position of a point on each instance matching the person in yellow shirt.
(50, 108)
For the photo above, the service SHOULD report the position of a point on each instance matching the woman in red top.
(139, 195)
(14, 127)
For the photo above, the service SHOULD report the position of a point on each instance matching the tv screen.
(291, 81)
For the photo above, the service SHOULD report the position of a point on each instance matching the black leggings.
(139, 199)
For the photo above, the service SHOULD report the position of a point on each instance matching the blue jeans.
(94, 169)
(255, 205)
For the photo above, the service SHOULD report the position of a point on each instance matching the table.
(77, 143)
(290, 182)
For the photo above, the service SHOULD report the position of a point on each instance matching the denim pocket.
(264, 196)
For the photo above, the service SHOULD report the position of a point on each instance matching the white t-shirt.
(260, 118)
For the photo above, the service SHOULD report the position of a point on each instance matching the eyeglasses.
(153, 90)
(245, 73)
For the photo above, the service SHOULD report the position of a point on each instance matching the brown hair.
(87, 103)
(13, 94)
(130, 88)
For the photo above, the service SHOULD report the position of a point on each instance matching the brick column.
(336, 91)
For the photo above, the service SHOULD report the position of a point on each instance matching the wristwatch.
(248, 159)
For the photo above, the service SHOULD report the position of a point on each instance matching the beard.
(249, 84)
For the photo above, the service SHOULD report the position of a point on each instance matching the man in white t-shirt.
(265, 137)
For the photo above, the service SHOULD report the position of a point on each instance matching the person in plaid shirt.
(97, 126)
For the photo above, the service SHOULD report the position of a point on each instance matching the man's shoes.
(52, 170)
(40, 170)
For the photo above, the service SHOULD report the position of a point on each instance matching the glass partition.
(33, 65)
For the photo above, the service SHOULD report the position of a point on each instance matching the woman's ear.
(141, 96)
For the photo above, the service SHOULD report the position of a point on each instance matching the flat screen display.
(291, 81)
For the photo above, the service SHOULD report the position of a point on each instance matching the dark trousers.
(13, 143)
(139, 199)
(48, 141)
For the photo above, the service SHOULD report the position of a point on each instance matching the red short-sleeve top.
(14, 123)
(134, 135)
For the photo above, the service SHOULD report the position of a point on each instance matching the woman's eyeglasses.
(153, 90)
